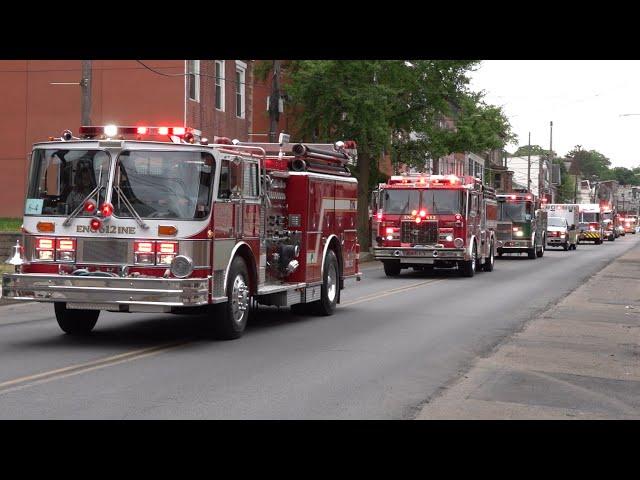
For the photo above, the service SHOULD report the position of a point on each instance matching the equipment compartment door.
(346, 209)
(320, 223)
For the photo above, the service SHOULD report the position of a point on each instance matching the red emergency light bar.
(114, 130)
(424, 180)
(511, 196)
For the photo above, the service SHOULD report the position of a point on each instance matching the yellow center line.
(77, 369)
(375, 296)
(43, 377)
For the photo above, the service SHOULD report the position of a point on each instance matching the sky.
(583, 98)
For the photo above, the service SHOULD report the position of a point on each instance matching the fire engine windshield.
(516, 212)
(590, 217)
(161, 184)
(434, 201)
(61, 179)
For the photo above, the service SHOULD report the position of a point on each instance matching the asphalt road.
(391, 346)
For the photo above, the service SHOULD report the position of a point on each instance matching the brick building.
(41, 98)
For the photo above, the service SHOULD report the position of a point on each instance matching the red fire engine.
(426, 221)
(120, 220)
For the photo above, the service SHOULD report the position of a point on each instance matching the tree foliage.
(523, 151)
(394, 106)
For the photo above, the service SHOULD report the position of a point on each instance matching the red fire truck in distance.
(146, 225)
(426, 221)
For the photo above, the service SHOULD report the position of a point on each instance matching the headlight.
(458, 242)
(519, 233)
(181, 266)
(449, 238)
(562, 235)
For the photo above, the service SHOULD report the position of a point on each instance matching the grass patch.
(4, 268)
(10, 224)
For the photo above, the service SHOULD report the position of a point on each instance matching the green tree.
(377, 103)
(523, 151)
(589, 163)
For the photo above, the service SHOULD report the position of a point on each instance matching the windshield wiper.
(132, 210)
(79, 208)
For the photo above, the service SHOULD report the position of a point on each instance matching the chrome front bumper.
(104, 293)
(414, 255)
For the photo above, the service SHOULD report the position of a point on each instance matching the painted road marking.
(77, 369)
(60, 373)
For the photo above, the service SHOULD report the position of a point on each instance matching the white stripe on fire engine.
(341, 204)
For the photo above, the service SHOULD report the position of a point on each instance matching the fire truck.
(629, 222)
(158, 219)
(522, 225)
(426, 221)
(590, 226)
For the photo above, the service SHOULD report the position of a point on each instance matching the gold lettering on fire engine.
(109, 229)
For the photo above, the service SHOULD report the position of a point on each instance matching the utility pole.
(529, 165)
(274, 102)
(85, 85)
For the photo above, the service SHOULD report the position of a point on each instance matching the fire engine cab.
(425, 221)
(155, 219)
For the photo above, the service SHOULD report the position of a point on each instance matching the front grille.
(107, 251)
(504, 231)
(422, 233)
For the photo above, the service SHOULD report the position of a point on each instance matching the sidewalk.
(580, 359)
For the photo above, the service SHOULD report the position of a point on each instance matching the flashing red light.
(106, 209)
(90, 206)
(142, 130)
(379, 215)
(95, 224)
(163, 130)
(458, 216)
(389, 230)
(144, 246)
(423, 213)
(179, 131)
(528, 197)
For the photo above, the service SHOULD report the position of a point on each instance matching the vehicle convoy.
(590, 227)
(522, 225)
(146, 225)
(559, 233)
(425, 221)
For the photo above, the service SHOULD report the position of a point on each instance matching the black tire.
(565, 246)
(500, 253)
(75, 322)
(392, 268)
(330, 290)
(531, 252)
(488, 263)
(540, 251)
(468, 267)
(231, 317)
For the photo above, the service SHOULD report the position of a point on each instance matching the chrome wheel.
(332, 282)
(239, 299)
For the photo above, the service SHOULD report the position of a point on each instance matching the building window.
(241, 69)
(220, 81)
(193, 79)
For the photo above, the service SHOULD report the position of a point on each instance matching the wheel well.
(245, 252)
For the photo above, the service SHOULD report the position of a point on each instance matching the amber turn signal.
(167, 230)
(46, 227)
